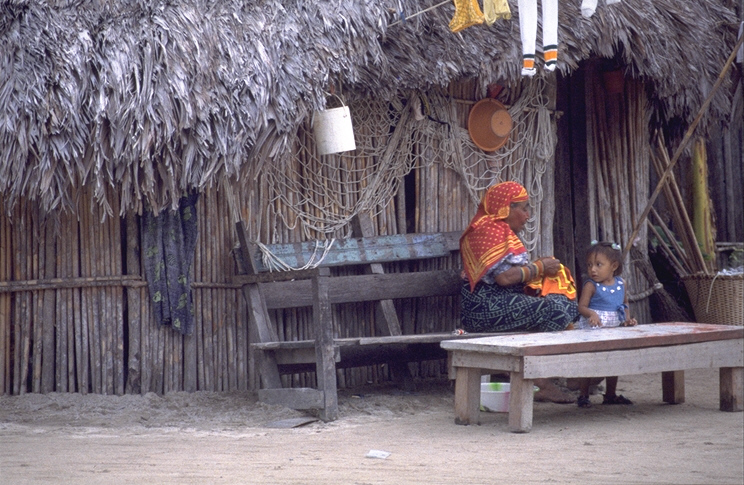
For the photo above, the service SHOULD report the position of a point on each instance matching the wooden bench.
(316, 287)
(669, 348)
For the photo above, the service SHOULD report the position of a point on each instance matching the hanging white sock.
(550, 33)
(588, 7)
(528, 32)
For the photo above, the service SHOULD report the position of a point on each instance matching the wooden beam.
(326, 363)
(297, 398)
(350, 251)
(358, 288)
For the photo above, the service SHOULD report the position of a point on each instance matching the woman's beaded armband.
(532, 271)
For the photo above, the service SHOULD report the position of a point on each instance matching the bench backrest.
(354, 251)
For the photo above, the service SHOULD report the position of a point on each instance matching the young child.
(603, 303)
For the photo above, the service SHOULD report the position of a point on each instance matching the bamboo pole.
(207, 318)
(698, 262)
(5, 250)
(134, 323)
(683, 143)
(78, 331)
(198, 305)
(24, 314)
(118, 303)
(60, 304)
(40, 329)
(85, 331)
(88, 297)
(102, 259)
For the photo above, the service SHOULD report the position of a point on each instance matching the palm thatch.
(157, 97)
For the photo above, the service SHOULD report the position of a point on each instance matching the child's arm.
(629, 321)
(586, 295)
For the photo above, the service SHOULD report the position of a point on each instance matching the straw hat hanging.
(489, 124)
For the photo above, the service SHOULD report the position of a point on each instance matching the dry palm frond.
(155, 98)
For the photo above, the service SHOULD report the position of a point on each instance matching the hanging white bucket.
(333, 130)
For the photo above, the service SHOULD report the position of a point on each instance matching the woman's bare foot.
(549, 392)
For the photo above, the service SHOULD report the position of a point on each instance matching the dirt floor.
(382, 436)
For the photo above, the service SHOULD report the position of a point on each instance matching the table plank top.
(596, 340)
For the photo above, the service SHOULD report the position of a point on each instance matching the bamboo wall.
(74, 313)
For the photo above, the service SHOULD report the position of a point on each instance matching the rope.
(710, 292)
(275, 263)
(404, 18)
(323, 193)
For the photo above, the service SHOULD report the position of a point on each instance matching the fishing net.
(395, 136)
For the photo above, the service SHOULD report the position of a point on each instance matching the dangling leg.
(550, 33)
(588, 7)
(528, 32)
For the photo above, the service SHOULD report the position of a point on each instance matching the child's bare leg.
(611, 396)
(611, 382)
(583, 401)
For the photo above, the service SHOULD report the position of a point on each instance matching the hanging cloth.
(168, 245)
(528, 32)
(494, 10)
(467, 14)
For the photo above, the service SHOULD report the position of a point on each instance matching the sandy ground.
(226, 438)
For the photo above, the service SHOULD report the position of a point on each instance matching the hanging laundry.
(168, 246)
(528, 32)
(588, 7)
(467, 14)
(494, 10)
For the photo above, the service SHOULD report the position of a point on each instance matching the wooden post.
(731, 380)
(134, 364)
(362, 227)
(261, 329)
(384, 309)
(467, 395)
(673, 386)
(325, 362)
(521, 397)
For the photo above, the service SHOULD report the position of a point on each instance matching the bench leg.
(731, 380)
(521, 398)
(467, 395)
(673, 386)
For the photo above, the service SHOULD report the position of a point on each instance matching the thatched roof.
(154, 97)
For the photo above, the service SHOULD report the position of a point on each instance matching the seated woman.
(498, 271)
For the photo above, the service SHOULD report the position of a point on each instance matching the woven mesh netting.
(394, 136)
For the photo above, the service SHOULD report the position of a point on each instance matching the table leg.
(467, 395)
(673, 386)
(521, 397)
(731, 381)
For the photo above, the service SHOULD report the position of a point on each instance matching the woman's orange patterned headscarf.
(488, 239)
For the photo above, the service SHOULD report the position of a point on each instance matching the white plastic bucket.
(333, 131)
(495, 396)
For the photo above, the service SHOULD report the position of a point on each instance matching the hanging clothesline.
(419, 13)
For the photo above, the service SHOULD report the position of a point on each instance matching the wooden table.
(669, 348)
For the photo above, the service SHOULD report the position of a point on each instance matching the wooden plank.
(359, 288)
(296, 398)
(134, 325)
(481, 360)
(521, 401)
(420, 338)
(366, 250)
(731, 380)
(673, 386)
(325, 355)
(467, 396)
(715, 354)
(385, 309)
(572, 341)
